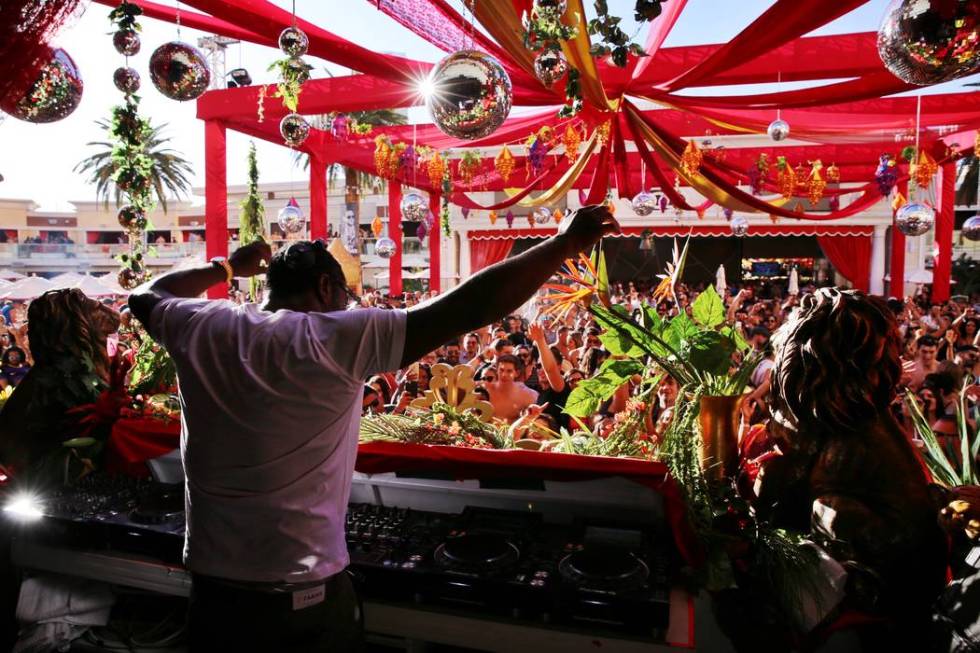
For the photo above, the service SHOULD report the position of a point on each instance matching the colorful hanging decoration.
(382, 154)
(816, 183)
(834, 203)
(465, 211)
(758, 174)
(509, 218)
(492, 216)
(377, 226)
(898, 202)
(604, 130)
(691, 159)
(444, 217)
(571, 139)
(407, 160)
(833, 174)
(504, 163)
(557, 216)
(260, 109)
(785, 177)
(435, 168)
(340, 127)
(925, 170)
(537, 152)
(472, 95)
(886, 175)
(469, 166)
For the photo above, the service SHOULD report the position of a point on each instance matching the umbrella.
(95, 287)
(794, 282)
(27, 288)
(721, 285)
(10, 275)
(66, 280)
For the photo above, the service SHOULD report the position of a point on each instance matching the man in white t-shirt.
(271, 399)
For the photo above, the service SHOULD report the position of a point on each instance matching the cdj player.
(590, 574)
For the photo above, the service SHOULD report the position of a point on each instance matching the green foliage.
(587, 396)
(442, 424)
(124, 16)
(573, 95)
(948, 468)
(708, 309)
(251, 220)
(292, 73)
(153, 369)
(546, 31)
(614, 42)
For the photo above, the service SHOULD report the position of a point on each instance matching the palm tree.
(969, 175)
(171, 171)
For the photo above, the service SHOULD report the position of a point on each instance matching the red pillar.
(897, 266)
(395, 233)
(435, 246)
(318, 198)
(215, 198)
(943, 268)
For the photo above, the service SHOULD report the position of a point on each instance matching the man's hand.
(251, 259)
(535, 332)
(587, 226)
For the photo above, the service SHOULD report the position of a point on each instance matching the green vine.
(124, 17)
(615, 42)
(573, 95)
(444, 217)
(292, 73)
(251, 221)
(544, 31)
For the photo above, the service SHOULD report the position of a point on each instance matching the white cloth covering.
(55, 610)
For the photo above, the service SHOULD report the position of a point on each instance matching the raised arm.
(548, 362)
(500, 289)
(246, 261)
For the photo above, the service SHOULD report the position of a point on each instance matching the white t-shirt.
(271, 408)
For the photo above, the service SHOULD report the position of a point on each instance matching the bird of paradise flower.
(584, 280)
(669, 280)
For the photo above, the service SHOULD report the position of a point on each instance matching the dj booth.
(487, 550)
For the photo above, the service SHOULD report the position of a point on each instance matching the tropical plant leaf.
(708, 309)
(589, 394)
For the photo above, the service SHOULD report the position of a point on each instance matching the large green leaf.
(735, 335)
(679, 330)
(709, 351)
(708, 309)
(589, 394)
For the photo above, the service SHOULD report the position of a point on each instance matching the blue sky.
(37, 160)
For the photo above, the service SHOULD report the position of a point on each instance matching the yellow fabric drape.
(502, 22)
(578, 53)
(697, 181)
(560, 189)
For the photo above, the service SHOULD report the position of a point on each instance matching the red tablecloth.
(135, 440)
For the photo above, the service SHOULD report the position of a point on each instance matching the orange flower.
(582, 285)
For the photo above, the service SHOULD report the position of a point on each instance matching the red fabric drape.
(26, 28)
(484, 253)
(318, 198)
(395, 233)
(897, 266)
(435, 244)
(851, 256)
(943, 268)
(215, 198)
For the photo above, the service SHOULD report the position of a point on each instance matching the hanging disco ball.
(126, 80)
(778, 130)
(414, 207)
(294, 129)
(291, 219)
(739, 225)
(930, 41)
(179, 71)
(915, 219)
(550, 8)
(971, 228)
(470, 94)
(131, 218)
(550, 66)
(129, 278)
(127, 42)
(300, 70)
(54, 95)
(385, 247)
(294, 42)
(541, 215)
(644, 203)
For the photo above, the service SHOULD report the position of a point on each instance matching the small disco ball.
(385, 247)
(179, 71)
(644, 203)
(53, 95)
(550, 66)
(471, 94)
(550, 8)
(414, 207)
(127, 42)
(291, 219)
(131, 218)
(778, 130)
(971, 228)
(294, 129)
(930, 41)
(739, 225)
(541, 215)
(915, 219)
(294, 42)
(300, 69)
(130, 277)
(126, 79)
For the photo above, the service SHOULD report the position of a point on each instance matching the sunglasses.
(304, 255)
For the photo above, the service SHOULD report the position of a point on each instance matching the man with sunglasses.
(271, 403)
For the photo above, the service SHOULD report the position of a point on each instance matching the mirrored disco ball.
(179, 71)
(131, 218)
(54, 95)
(930, 41)
(126, 80)
(129, 278)
(778, 130)
(739, 225)
(550, 8)
(291, 219)
(294, 129)
(385, 247)
(971, 228)
(414, 207)
(550, 66)
(915, 219)
(127, 42)
(294, 42)
(471, 94)
(541, 215)
(644, 203)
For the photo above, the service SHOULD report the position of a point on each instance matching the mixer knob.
(541, 574)
(537, 582)
(415, 557)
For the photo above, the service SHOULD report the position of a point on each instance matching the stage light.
(24, 507)
(239, 77)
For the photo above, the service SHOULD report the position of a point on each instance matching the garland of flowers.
(293, 72)
(251, 220)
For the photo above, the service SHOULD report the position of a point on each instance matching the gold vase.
(719, 419)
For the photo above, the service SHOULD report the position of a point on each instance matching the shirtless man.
(509, 396)
(925, 361)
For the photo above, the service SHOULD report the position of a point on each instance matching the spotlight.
(24, 507)
(239, 77)
(427, 87)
